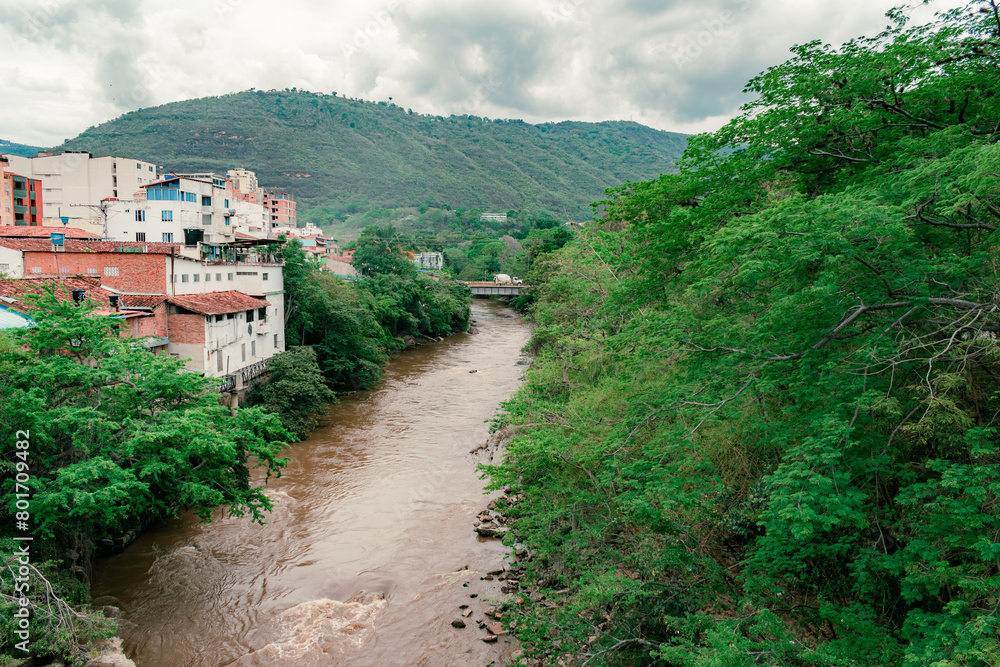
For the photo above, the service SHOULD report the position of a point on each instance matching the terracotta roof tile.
(74, 245)
(217, 303)
(15, 231)
(142, 301)
(19, 288)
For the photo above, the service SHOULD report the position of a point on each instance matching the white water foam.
(317, 633)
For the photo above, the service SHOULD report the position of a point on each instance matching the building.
(20, 198)
(143, 319)
(281, 207)
(75, 184)
(6, 195)
(429, 260)
(278, 207)
(244, 181)
(175, 209)
(223, 308)
(493, 217)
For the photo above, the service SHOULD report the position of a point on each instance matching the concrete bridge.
(492, 289)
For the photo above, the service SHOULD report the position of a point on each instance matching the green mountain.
(10, 148)
(338, 152)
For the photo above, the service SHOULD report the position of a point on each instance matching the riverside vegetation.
(762, 422)
(120, 438)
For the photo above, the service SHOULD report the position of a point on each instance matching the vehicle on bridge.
(502, 279)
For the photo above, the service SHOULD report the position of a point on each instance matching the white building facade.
(176, 209)
(75, 184)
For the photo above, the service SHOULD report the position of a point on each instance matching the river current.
(370, 552)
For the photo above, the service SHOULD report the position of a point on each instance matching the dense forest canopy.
(762, 423)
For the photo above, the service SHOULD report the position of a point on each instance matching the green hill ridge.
(11, 148)
(333, 151)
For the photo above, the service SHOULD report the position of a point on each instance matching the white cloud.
(677, 65)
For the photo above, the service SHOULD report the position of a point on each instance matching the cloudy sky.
(673, 64)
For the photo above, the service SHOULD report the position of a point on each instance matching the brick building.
(143, 318)
(224, 310)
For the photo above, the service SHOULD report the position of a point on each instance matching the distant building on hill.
(429, 260)
(493, 217)
(74, 184)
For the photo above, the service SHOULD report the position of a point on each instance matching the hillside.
(9, 147)
(334, 151)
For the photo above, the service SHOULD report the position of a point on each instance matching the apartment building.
(74, 184)
(20, 198)
(175, 209)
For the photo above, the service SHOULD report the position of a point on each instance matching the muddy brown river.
(370, 550)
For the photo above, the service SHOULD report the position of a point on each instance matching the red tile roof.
(18, 289)
(15, 231)
(76, 245)
(217, 303)
(142, 301)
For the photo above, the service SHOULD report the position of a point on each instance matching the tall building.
(279, 207)
(20, 198)
(244, 180)
(74, 184)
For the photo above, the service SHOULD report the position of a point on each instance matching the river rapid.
(370, 551)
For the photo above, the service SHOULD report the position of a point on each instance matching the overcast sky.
(676, 65)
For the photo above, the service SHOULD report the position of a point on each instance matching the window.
(219, 318)
(206, 200)
(218, 361)
(36, 269)
(230, 316)
(151, 168)
(138, 166)
(168, 237)
(206, 219)
(227, 203)
(227, 221)
(167, 216)
(191, 197)
(253, 348)
(64, 270)
(275, 340)
(197, 277)
(184, 277)
(230, 276)
(208, 277)
(140, 216)
(92, 271)
(243, 350)
(140, 236)
(111, 270)
(262, 313)
(265, 276)
(249, 316)
(218, 277)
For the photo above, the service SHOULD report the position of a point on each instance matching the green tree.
(295, 390)
(116, 437)
(762, 420)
